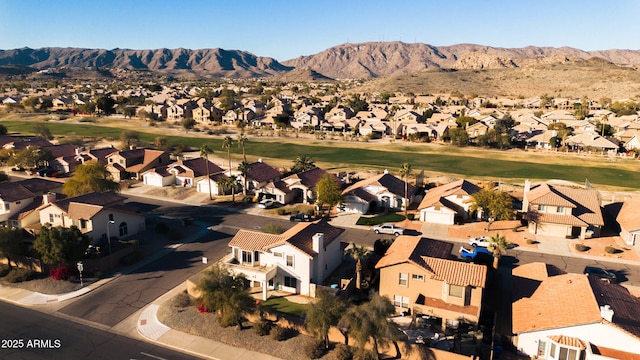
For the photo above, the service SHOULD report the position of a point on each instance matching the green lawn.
(381, 219)
(282, 305)
(493, 165)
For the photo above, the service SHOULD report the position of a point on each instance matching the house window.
(289, 260)
(417, 277)
(456, 291)
(542, 208)
(560, 210)
(6, 206)
(123, 229)
(110, 217)
(403, 278)
(247, 257)
(51, 218)
(277, 254)
(290, 282)
(401, 301)
(83, 224)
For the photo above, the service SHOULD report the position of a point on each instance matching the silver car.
(390, 229)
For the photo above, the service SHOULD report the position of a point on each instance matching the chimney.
(606, 312)
(48, 198)
(260, 160)
(317, 242)
(386, 171)
(525, 201)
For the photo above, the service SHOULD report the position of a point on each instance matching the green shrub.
(227, 319)
(272, 228)
(610, 250)
(262, 327)
(20, 275)
(411, 216)
(314, 348)
(282, 212)
(581, 247)
(364, 354)
(162, 228)
(343, 352)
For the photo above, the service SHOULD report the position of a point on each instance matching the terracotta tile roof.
(456, 272)
(26, 189)
(82, 211)
(307, 178)
(434, 196)
(545, 194)
(534, 270)
(585, 204)
(569, 341)
(148, 157)
(197, 165)
(440, 304)
(392, 183)
(99, 199)
(412, 249)
(299, 237)
(559, 301)
(279, 185)
(614, 353)
(629, 214)
(61, 150)
(261, 172)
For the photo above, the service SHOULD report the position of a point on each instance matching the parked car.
(478, 254)
(600, 273)
(390, 229)
(266, 203)
(481, 241)
(300, 217)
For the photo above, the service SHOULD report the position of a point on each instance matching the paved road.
(49, 337)
(115, 301)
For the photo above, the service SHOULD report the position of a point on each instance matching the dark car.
(600, 273)
(300, 217)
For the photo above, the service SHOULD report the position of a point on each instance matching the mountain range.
(363, 60)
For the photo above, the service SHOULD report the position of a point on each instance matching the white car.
(389, 229)
(266, 203)
(481, 241)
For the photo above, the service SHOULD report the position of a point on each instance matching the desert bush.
(531, 241)
(364, 354)
(161, 228)
(272, 228)
(4, 270)
(282, 212)
(262, 327)
(610, 250)
(20, 275)
(227, 319)
(182, 300)
(60, 273)
(314, 348)
(279, 333)
(343, 352)
(581, 247)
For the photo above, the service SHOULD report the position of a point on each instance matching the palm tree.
(233, 181)
(241, 141)
(325, 311)
(358, 253)
(498, 245)
(205, 150)
(302, 163)
(370, 321)
(405, 171)
(226, 144)
(244, 167)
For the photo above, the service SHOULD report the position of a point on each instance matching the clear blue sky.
(288, 29)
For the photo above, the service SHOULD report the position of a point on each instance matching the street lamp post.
(80, 268)
(109, 235)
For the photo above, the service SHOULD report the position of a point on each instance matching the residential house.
(380, 192)
(449, 203)
(259, 175)
(573, 316)
(202, 115)
(302, 184)
(476, 130)
(590, 141)
(294, 261)
(562, 211)
(20, 196)
(131, 164)
(184, 173)
(97, 215)
(628, 219)
(417, 276)
(175, 112)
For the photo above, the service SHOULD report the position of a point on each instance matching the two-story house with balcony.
(292, 262)
(562, 211)
(98, 215)
(417, 276)
(21, 196)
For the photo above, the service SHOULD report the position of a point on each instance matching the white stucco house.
(628, 220)
(445, 203)
(384, 191)
(573, 316)
(293, 261)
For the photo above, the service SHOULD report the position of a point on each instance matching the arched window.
(123, 229)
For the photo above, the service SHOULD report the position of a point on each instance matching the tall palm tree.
(205, 150)
(498, 245)
(405, 171)
(226, 144)
(324, 313)
(241, 141)
(358, 253)
(244, 167)
(302, 163)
